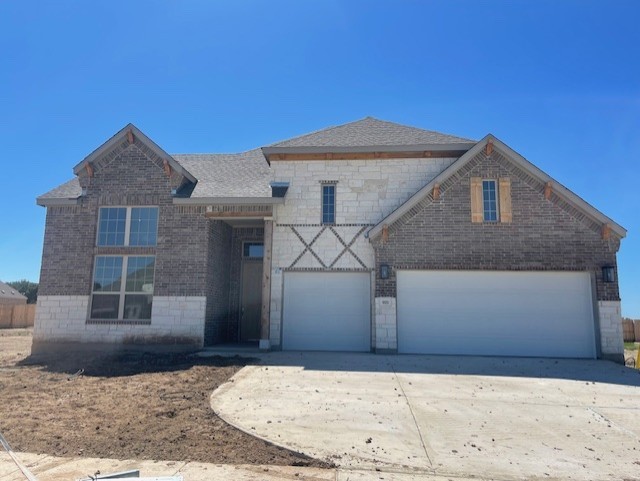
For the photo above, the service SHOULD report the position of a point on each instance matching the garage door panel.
(327, 311)
(495, 313)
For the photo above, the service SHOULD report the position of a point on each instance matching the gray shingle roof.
(69, 190)
(370, 132)
(228, 175)
(8, 292)
(246, 174)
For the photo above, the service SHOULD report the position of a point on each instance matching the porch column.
(266, 285)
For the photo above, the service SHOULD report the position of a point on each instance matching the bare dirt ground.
(144, 406)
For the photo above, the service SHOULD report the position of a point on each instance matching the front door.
(251, 302)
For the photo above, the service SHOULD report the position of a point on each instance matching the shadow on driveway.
(572, 369)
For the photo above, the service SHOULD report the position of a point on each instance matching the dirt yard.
(140, 406)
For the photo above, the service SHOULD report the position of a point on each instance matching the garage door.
(327, 311)
(547, 314)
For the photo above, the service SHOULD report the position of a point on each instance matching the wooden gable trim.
(477, 214)
(504, 192)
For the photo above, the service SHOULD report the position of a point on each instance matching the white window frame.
(123, 287)
(127, 223)
(495, 183)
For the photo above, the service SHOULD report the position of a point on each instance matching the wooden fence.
(19, 315)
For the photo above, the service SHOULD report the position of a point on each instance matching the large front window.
(128, 226)
(122, 287)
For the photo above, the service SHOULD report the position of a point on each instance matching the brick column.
(266, 285)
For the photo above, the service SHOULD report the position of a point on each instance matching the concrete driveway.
(498, 418)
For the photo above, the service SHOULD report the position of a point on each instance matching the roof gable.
(129, 134)
(369, 132)
(422, 196)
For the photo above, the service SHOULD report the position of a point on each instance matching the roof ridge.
(324, 129)
(372, 127)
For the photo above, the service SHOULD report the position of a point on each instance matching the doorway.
(251, 292)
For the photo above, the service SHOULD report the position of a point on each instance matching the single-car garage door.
(546, 314)
(327, 311)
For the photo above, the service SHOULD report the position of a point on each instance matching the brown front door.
(251, 302)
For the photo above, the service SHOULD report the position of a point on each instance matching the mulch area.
(125, 406)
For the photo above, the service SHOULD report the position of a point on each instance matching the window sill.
(120, 322)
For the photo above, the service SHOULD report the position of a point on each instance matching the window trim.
(127, 224)
(123, 289)
(484, 209)
(323, 184)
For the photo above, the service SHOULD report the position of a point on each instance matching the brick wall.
(217, 317)
(542, 236)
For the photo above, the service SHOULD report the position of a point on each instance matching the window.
(122, 287)
(328, 203)
(489, 201)
(253, 250)
(128, 226)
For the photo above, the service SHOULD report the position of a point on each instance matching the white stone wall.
(175, 320)
(611, 341)
(368, 190)
(386, 337)
(275, 314)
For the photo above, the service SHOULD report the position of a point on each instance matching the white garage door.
(547, 314)
(327, 311)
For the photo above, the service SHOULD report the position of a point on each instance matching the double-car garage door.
(543, 314)
(546, 314)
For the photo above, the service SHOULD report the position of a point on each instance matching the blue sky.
(556, 80)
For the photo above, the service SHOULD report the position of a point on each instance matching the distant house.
(9, 296)
(369, 236)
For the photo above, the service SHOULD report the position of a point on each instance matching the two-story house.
(369, 236)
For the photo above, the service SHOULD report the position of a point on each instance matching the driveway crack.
(613, 423)
(424, 445)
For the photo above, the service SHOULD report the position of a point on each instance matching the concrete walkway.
(50, 468)
(492, 418)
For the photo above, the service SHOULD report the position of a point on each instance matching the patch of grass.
(632, 346)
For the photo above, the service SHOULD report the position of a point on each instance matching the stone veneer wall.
(611, 342)
(544, 235)
(133, 177)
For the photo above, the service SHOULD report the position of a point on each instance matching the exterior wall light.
(608, 274)
(384, 271)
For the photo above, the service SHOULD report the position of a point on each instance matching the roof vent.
(279, 189)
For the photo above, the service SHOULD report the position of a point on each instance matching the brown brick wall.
(542, 236)
(217, 317)
(128, 179)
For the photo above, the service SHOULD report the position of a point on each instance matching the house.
(369, 236)
(9, 296)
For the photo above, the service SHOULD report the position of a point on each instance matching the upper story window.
(128, 226)
(329, 203)
(489, 201)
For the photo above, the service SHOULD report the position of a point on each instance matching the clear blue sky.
(559, 81)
